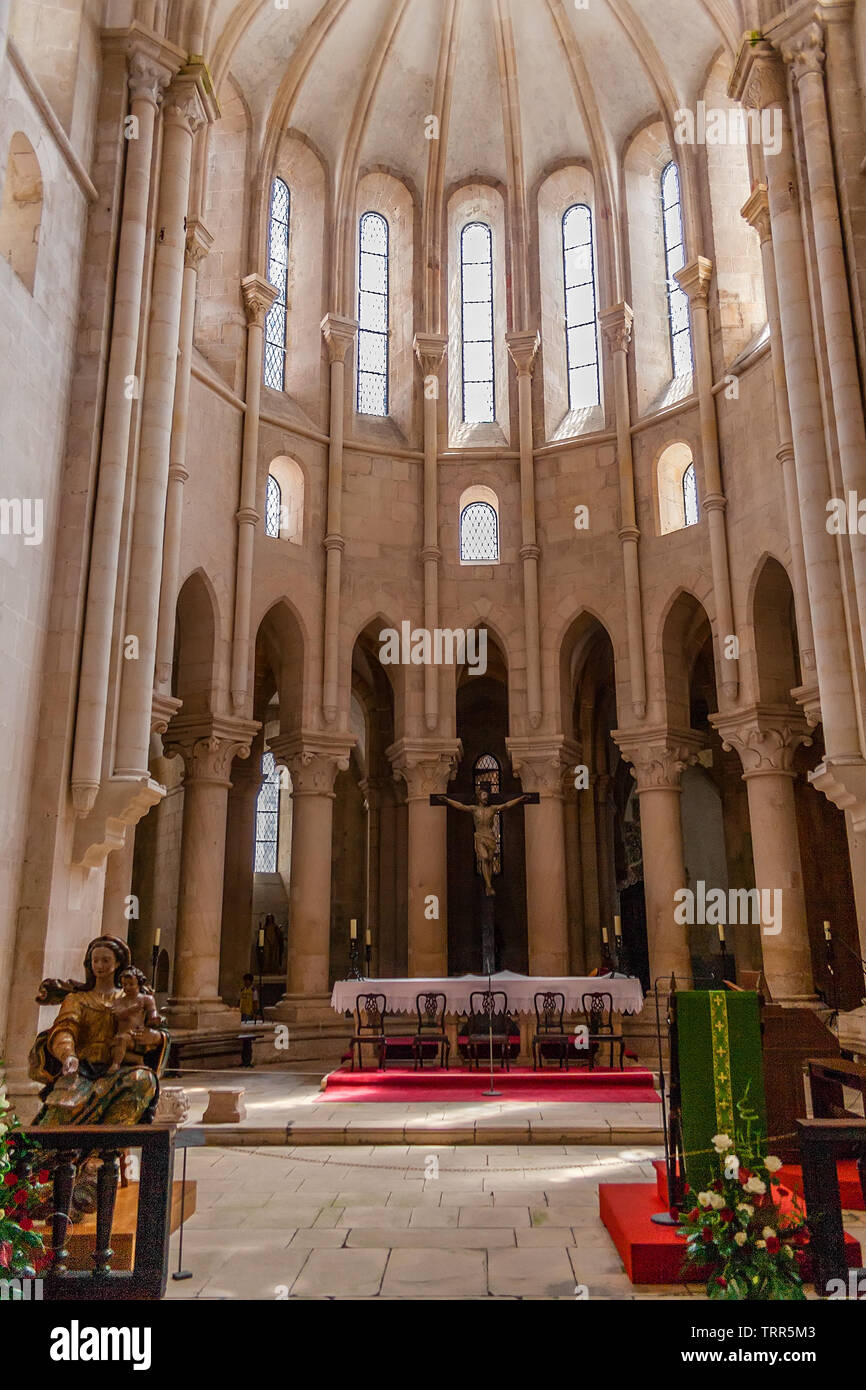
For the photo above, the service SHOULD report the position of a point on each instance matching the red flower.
(773, 1245)
(721, 1281)
(687, 1188)
(25, 1223)
(41, 1262)
(43, 1175)
(726, 1214)
(5, 1254)
(693, 1214)
(19, 1196)
(10, 1180)
(707, 1235)
(745, 1174)
(716, 1185)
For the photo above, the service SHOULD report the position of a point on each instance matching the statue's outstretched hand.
(70, 1065)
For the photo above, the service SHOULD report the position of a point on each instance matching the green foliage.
(22, 1195)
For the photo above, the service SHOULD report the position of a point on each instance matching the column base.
(302, 1010)
(208, 1015)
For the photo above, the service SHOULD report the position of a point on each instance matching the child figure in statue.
(136, 1016)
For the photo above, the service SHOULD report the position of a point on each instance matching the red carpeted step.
(631, 1087)
(518, 1076)
(790, 1176)
(655, 1254)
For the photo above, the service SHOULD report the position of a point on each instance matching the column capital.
(765, 736)
(198, 243)
(339, 334)
(163, 709)
(259, 294)
(209, 745)
(313, 758)
(694, 279)
(803, 51)
(659, 756)
(758, 78)
(148, 78)
(431, 350)
(542, 764)
(426, 765)
(616, 325)
(523, 347)
(756, 211)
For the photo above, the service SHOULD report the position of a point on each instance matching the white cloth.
(626, 992)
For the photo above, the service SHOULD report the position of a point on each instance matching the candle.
(157, 936)
(617, 926)
(604, 935)
(369, 937)
(353, 928)
(261, 936)
(827, 936)
(722, 932)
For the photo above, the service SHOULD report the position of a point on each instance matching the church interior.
(433, 636)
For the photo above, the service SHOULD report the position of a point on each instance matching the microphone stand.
(493, 1091)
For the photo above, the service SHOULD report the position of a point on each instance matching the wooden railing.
(70, 1147)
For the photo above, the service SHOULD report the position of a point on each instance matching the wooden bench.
(196, 1046)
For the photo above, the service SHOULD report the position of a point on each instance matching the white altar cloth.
(627, 993)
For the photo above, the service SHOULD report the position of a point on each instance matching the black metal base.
(664, 1218)
(488, 935)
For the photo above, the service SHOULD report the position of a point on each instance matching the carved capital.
(198, 243)
(148, 79)
(313, 760)
(209, 745)
(162, 711)
(758, 79)
(542, 764)
(756, 211)
(695, 279)
(523, 347)
(805, 52)
(659, 756)
(616, 325)
(431, 350)
(339, 334)
(765, 737)
(259, 294)
(183, 106)
(425, 765)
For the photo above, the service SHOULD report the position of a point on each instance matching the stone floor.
(371, 1221)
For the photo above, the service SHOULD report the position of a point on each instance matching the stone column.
(604, 840)
(258, 295)
(658, 757)
(430, 350)
(198, 243)
(187, 106)
(616, 325)
(805, 53)
(589, 875)
(313, 761)
(237, 913)
(339, 334)
(539, 765)
(758, 80)
(147, 81)
(766, 738)
(427, 766)
(694, 279)
(372, 790)
(756, 211)
(574, 893)
(208, 748)
(523, 347)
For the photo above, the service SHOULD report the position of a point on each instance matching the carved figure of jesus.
(483, 817)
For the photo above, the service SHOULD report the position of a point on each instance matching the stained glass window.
(690, 496)
(675, 259)
(267, 818)
(486, 774)
(476, 288)
(273, 501)
(479, 533)
(278, 274)
(581, 336)
(373, 315)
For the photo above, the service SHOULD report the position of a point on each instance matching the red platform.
(850, 1191)
(655, 1254)
(633, 1086)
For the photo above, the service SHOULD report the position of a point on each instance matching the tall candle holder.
(355, 972)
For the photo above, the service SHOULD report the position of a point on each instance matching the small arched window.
(476, 290)
(479, 534)
(675, 259)
(273, 503)
(690, 496)
(267, 818)
(21, 209)
(581, 334)
(278, 274)
(487, 774)
(373, 315)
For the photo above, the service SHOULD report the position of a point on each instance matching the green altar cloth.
(721, 1078)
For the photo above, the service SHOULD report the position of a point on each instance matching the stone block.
(225, 1106)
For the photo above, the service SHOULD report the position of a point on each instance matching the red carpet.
(654, 1254)
(630, 1087)
(850, 1190)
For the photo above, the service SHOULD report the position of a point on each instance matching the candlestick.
(604, 935)
(261, 937)
(353, 928)
(827, 936)
(158, 934)
(722, 932)
(617, 926)
(369, 937)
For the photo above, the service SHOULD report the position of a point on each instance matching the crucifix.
(484, 810)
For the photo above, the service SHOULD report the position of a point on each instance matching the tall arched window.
(487, 774)
(675, 259)
(476, 287)
(373, 315)
(267, 818)
(581, 334)
(278, 274)
(690, 496)
(273, 502)
(479, 534)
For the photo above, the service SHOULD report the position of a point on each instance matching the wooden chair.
(369, 1027)
(550, 1031)
(487, 1022)
(430, 1008)
(598, 1013)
